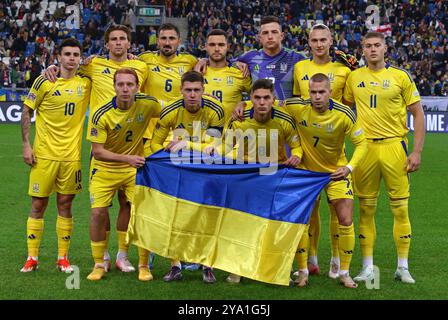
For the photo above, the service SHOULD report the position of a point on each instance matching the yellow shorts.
(385, 159)
(341, 189)
(48, 176)
(104, 184)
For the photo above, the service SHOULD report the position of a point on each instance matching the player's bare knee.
(64, 205)
(38, 206)
(99, 215)
(345, 220)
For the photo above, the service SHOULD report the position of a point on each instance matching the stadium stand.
(416, 30)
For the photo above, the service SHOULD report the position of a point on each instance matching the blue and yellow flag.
(224, 216)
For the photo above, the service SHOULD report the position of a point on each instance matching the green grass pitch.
(427, 260)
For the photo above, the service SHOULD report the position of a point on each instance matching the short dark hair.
(125, 71)
(262, 84)
(192, 76)
(374, 34)
(320, 77)
(70, 42)
(168, 26)
(217, 32)
(269, 19)
(119, 27)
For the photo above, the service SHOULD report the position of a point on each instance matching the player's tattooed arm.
(28, 154)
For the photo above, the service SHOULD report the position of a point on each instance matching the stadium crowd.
(417, 38)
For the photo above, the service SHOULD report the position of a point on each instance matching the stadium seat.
(61, 4)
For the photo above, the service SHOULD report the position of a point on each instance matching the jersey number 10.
(69, 109)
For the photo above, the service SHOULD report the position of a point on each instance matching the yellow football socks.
(98, 250)
(302, 250)
(367, 229)
(34, 230)
(346, 245)
(122, 245)
(143, 257)
(64, 227)
(314, 229)
(402, 227)
(334, 232)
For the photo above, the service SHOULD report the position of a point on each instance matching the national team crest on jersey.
(35, 187)
(139, 117)
(330, 127)
(230, 81)
(330, 76)
(386, 84)
(283, 67)
(181, 70)
(79, 91)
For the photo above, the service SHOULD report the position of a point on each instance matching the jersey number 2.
(129, 136)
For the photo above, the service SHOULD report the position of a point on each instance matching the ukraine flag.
(225, 216)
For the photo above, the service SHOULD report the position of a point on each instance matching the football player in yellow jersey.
(383, 94)
(222, 80)
(101, 70)
(320, 41)
(117, 146)
(323, 124)
(197, 121)
(165, 69)
(279, 128)
(55, 159)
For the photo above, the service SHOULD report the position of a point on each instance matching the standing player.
(55, 159)
(101, 71)
(222, 80)
(165, 69)
(323, 125)
(182, 116)
(117, 146)
(383, 94)
(273, 61)
(320, 42)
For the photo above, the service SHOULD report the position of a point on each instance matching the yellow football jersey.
(335, 71)
(164, 78)
(255, 141)
(60, 115)
(227, 84)
(209, 119)
(121, 131)
(165, 75)
(381, 98)
(101, 71)
(323, 134)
